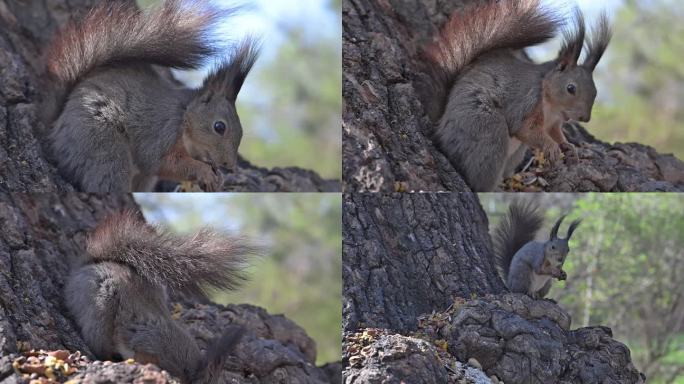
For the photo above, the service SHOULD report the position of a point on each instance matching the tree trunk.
(422, 297)
(26, 28)
(409, 254)
(386, 133)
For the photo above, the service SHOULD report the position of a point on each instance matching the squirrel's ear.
(573, 40)
(227, 79)
(572, 227)
(205, 96)
(601, 34)
(554, 230)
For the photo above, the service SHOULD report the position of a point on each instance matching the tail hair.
(186, 264)
(480, 28)
(175, 34)
(216, 355)
(515, 230)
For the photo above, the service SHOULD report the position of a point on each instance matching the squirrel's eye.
(553, 247)
(220, 127)
(572, 89)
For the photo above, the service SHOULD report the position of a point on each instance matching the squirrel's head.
(212, 131)
(569, 88)
(556, 249)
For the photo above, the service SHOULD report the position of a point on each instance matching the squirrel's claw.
(209, 179)
(571, 150)
(552, 153)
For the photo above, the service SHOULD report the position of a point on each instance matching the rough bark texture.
(250, 178)
(386, 133)
(25, 29)
(510, 338)
(43, 233)
(409, 254)
(408, 262)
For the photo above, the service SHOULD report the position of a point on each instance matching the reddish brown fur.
(178, 165)
(532, 132)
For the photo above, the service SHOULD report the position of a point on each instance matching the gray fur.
(114, 116)
(109, 131)
(526, 265)
(118, 295)
(492, 89)
(515, 230)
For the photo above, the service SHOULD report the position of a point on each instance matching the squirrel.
(490, 101)
(528, 266)
(118, 123)
(119, 292)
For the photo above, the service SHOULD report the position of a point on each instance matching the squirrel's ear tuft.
(601, 33)
(554, 230)
(229, 76)
(572, 227)
(573, 40)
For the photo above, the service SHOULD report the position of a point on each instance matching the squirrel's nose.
(585, 117)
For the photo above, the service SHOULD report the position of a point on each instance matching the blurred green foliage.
(300, 274)
(301, 106)
(641, 79)
(625, 270)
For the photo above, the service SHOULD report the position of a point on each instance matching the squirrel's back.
(514, 231)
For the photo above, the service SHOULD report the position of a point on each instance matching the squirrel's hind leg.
(92, 295)
(144, 183)
(545, 289)
(519, 278)
(476, 143)
(515, 159)
(90, 145)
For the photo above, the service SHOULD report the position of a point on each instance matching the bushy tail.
(477, 29)
(518, 228)
(174, 34)
(186, 264)
(216, 355)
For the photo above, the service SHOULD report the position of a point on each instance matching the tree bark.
(421, 297)
(26, 28)
(386, 133)
(409, 254)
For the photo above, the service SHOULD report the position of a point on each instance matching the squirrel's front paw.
(571, 151)
(209, 179)
(552, 154)
(562, 275)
